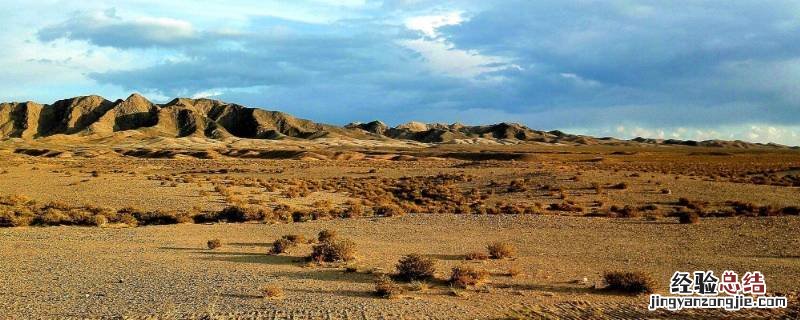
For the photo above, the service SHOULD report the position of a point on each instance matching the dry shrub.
(415, 267)
(214, 244)
(272, 292)
(629, 282)
(15, 217)
(688, 217)
(283, 245)
(619, 186)
(500, 250)
(301, 216)
(240, 213)
(326, 235)
(625, 212)
(476, 255)
(649, 207)
(159, 217)
(465, 275)
(386, 288)
(694, 205)
(354, 210)
(791, 210)
(565, 206)
(339, 250)
(389, 210)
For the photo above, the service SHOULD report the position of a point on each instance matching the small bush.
(628, 282)
(464, 276)
(565, 206)
(688, 217)
(214, 243)
(326, 235)
(415, 267)
(334, 251)
(500, 250)
(272, 292)
(476, 255)
(282, 245)
(386, 288)
(159, 217)
(619, 186)
(239, 213)
(389, 210)
(625, 212)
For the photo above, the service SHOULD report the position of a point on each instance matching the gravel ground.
(166, 271)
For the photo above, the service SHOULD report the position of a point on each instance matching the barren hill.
(96, 117)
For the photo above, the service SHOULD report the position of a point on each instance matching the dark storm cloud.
(577, 63)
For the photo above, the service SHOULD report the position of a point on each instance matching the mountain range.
(94, 116)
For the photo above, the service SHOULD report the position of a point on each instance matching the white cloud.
(443, 57)
(428, 25)
(208, 94)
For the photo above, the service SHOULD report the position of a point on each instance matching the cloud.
(690, 69)
(106, 29)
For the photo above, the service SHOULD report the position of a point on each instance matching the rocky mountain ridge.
(92, 116)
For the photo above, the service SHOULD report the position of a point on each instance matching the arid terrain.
(113, 210)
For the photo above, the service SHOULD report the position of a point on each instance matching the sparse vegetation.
(326, 235)
(476, 255)
(628, 282)
(386, 288)
(464, 276)
(339, 250)
(272, 292)
(688, 217)
(501, 250)
(285, 243)
(415, 267)
(214, 244)
(514, 271)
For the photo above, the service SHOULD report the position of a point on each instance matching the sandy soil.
(167, 271)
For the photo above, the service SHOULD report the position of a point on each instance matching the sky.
(659, 69)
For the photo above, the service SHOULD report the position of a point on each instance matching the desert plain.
(135, 223)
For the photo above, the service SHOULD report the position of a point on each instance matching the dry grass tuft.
(272, 292)
(420, 286)
(501, 250)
